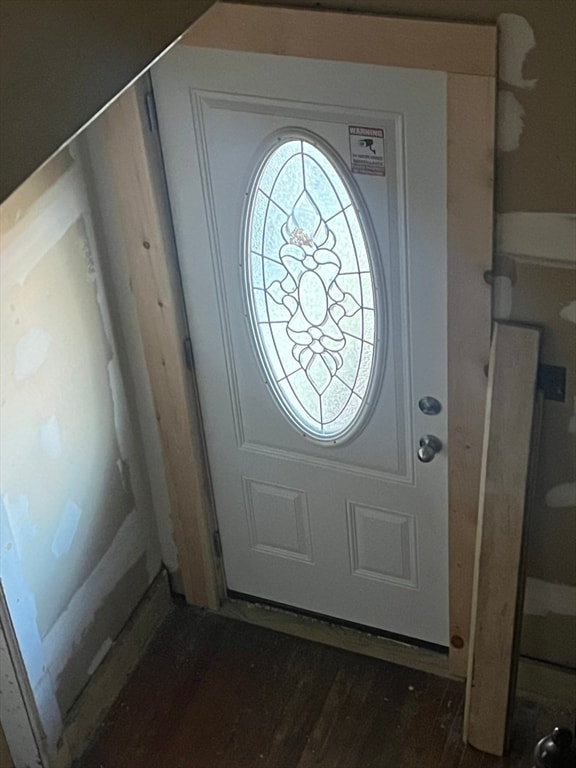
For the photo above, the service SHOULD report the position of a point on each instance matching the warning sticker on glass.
(367, 150)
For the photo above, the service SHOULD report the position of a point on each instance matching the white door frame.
(467, 53)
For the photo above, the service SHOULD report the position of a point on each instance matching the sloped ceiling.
(63, 61)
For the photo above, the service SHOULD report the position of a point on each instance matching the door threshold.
(330, 632)
(537, 680)
(334, 621)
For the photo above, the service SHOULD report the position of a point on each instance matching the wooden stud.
(471, 102)
(366, 39)
(499, 543)
(151, 264)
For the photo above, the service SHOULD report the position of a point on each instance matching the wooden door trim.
(148, 247)
(471, 120)
(468, 49)
(468, 54)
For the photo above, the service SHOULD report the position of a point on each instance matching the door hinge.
(217, 544)
(151, 112)
(188, 353)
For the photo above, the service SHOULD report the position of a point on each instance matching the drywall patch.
(548, 238)
(100, 656)
(45, 223)
(109, 620)
(18, 511)
(67, 528)
(21, 602)
(50, 438)
(516, 40)
(568, 312)
(124, 471)
(510, 122)
(563, 495)
(502, 297)
(544, 597)
(128, 546)
(31, 352)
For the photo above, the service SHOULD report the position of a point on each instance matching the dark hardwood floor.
(215, 693)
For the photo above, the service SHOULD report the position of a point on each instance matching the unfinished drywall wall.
(535, 261)
(79, 541)
(540, 293)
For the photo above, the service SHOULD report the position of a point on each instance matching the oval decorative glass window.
(311, 288)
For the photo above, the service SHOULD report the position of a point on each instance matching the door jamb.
(467, 53)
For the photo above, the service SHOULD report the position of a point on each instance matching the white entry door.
(309, 205)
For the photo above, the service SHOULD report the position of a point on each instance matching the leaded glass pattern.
(311, 288)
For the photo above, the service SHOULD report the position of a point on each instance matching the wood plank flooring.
(215, 693)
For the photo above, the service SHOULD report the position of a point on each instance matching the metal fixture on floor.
(555, 750)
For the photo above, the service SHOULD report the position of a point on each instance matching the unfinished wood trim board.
(500, 538)
(153, 276)
(365, 39)
(471, 116)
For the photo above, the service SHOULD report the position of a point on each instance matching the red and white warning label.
(367, 150)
